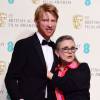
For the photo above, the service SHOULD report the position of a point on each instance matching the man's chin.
(49, 35)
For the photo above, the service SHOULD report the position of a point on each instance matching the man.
(26, 78)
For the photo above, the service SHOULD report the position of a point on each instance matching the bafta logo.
(35, 1)
(2, 67)
(77, 21)
(3, 17)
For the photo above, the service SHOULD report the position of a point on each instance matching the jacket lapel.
(38, 48)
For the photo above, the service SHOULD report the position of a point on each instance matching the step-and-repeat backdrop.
(79, 18)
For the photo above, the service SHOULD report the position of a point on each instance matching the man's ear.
(56, 52)
(35, 22)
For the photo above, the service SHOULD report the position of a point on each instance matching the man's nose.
(49, 23)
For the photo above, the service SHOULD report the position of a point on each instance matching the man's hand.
(49, 75)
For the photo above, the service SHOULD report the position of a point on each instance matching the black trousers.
(46, 99)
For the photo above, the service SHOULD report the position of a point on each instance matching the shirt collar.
(40, 37)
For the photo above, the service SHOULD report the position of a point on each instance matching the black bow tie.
(44, 42)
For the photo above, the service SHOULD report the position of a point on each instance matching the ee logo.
(86, 48)
(10, 46)
(10, 1)
(87, 2)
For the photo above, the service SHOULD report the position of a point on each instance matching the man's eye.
(45, 20)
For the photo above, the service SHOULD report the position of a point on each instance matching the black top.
(75, 84)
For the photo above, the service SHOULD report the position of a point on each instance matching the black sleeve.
(74, 80)
(13, 75)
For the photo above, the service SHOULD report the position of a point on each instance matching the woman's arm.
(74, 80)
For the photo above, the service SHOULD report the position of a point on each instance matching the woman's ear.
(56, 52)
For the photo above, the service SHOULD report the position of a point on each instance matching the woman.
(71, 79)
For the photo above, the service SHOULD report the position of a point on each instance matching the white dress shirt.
(47, 52)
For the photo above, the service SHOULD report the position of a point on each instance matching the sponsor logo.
(3, 17)
(35, 1)
(87, 2)
(77, 21)
(10, 1)
(2, 67)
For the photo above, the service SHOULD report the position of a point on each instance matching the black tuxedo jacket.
(27, 74)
